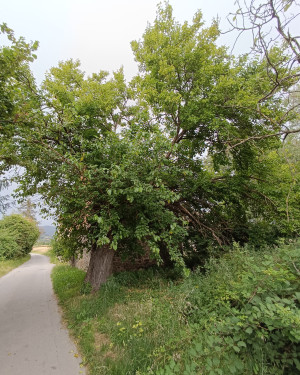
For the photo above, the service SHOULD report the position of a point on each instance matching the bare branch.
(269, 23)
(259, 137)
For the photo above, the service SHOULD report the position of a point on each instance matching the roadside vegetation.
(53, 257)
(196, 155)
(17, 236)
(240, 316)
(198, 151)
(8, 265)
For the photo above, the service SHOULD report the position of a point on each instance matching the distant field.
(40, 249)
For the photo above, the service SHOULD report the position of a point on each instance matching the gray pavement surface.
(33, 340)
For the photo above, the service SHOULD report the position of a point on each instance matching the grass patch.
(241, 317)
(123, 322)
(8, 265)
(53, 258)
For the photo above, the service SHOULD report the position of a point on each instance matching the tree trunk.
(100, 266)
(73, 261)
(165, 255)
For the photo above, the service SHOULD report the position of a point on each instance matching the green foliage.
(53, 257)
(245, 315)
(18, 235)
(9, 248)
(240, 317)
(213, 108)
(14, 93)
(181, 161)
(280, 188)
(62, 248)
(105, 186)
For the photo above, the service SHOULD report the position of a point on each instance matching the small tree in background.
(28, 209)
(3, 199)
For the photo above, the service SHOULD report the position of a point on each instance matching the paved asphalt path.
(32, 338)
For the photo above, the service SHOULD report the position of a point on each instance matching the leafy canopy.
(172, 162)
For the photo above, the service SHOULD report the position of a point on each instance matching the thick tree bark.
(100, 266)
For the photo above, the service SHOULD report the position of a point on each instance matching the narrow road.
(32, 338)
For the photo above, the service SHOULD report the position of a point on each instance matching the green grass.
(241, 317)
(8, 265)
(123, 322)
(53, 258)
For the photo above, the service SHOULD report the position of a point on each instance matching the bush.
(245, 315)
(17, 236)
(8, 246)
(63, 248)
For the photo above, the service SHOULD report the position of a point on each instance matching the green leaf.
(297, 295)
(193, 352)
(232, 368)
(216, 361)
(297, 363)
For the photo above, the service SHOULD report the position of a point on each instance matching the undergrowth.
(239, 317)
(52, 257)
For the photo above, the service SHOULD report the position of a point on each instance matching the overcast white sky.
(97, 32)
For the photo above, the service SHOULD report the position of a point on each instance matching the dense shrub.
(8, 246)
(245, 315)
(63, 248)
(17, 236)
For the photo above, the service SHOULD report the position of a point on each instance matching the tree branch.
(259, 137)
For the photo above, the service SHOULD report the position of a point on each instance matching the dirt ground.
(40, 249)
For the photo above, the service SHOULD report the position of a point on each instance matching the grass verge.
(48, 251)
(53, 258)
(8, 265)
(242, 317)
